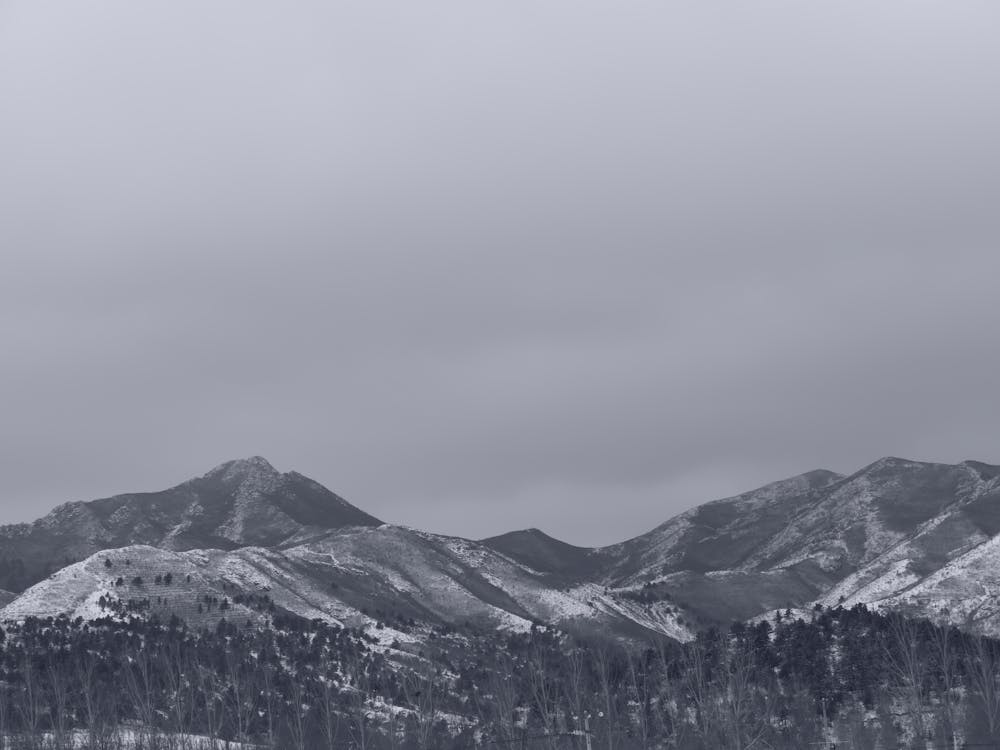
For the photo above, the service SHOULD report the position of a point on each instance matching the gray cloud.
(487, 266)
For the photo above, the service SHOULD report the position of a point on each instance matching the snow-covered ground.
(138, 739)
(344, 578)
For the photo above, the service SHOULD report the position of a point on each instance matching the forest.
(834, 678)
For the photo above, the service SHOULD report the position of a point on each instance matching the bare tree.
(296, 712)
(607, 682)
(731, 710)
(907, 660)
(240, 693)
(701, 692)
(30, 704)
(58, 676)
(496, 705)
(178, 673)
(212, 700)
(327, 693)
(357, 696)
(544, 693)
(4, 713)
(420, 691)
(139, 675)
(640, 690)
(268, 699)
(983, 663)
(749, 705)
(360, 718)
(945, 660)
(576, 689)
(85, 666)
(393, 727)
(669, 718)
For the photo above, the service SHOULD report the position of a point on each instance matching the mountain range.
(245, 540)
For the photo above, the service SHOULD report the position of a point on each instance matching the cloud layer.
(485, 266)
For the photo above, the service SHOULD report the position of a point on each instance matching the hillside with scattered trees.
(848, 678)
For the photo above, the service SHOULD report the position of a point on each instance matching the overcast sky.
(479, 266)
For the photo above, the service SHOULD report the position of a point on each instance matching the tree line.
(849, 678)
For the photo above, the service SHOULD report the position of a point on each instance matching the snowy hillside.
(896, 533)
(821, 536)
(238, 503)
(356, 577)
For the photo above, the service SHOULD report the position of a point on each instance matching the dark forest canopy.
(854, 677)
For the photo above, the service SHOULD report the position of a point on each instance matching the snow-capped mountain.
(896, 533)
(236, 504)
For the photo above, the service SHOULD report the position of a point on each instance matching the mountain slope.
(820, 536)
(896, 534)
(725, 534)
(946, 565)
(239, 503)
(353, 576)
(869, 537)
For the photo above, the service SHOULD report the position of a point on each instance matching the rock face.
(896, 534)
(239, 503)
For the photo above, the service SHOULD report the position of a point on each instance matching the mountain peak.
(243, 466)
(893, 462)
(253, 474)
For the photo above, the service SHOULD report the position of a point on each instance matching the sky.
(485, 266)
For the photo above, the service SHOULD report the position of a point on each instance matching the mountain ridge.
(237, 503)
(896, 533)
